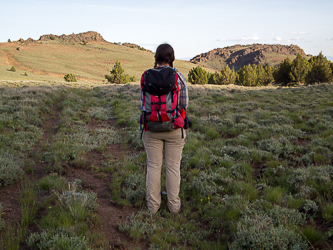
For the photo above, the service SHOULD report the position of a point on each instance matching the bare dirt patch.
(302, 142)
(110, 214)
(9, 198)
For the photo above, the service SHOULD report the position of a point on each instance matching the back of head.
(164, 55)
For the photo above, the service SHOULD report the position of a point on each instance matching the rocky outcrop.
(239, 55)
(88, 37)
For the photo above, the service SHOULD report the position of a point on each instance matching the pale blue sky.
(191, 27)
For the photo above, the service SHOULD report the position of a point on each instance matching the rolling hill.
(239, 55)
(51, 57)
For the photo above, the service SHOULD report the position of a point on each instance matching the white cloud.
(252, 37)
(290, 40)
(221, 40)
(299, 33)
(273, 33)
(295, 39)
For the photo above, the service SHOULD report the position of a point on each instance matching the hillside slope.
(239, 55)
(54, 56)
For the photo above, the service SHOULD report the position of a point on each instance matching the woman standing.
(164, 100)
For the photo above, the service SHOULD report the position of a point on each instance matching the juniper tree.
(261, 76)
(198, 75)
(117, 75)
(282, 73)
(269, 74)
(320, 69)
(214, 78)
(247, 75)
(299, 69)
(228, 76)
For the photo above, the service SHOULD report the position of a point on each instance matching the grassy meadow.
(257, 168)
(52, 60)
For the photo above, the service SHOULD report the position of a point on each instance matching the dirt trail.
(110, 214)
(9, 197)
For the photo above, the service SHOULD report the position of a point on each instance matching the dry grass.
(90, 62)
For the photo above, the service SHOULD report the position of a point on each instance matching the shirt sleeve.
(183, 92)
(142, 82)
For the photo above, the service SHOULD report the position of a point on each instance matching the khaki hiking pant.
(173, 144)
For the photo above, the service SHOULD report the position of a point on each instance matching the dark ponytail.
(164, 54)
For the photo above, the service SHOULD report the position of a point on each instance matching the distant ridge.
(81, 38)
(239, 55)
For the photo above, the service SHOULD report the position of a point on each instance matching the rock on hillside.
(239, 55)
(90, 36)
(135, 46)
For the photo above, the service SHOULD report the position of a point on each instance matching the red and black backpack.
(160, 100)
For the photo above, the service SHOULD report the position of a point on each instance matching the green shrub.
(275, 194)
(259, 232)
(52, 37)
(198, 76)
(13, 69)
(212, 134)
(53, 182)
(59, 238)
(138, 227)
(12, 237)
(286, 216)
(256, 157)
(309, 207)
(134, 188)
(307, 182)
(209, 183)
(241, 171)
(28, 202)
(117, 75)
(84, 42)
(247, 190)
(311, 234)
(70, 78)
(10, 168)
(25, 74)
(9, 41)
(78, 203)
(328, 211)
(86, 200)
(328, 234)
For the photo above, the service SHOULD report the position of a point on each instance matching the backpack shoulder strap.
(179, 77)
